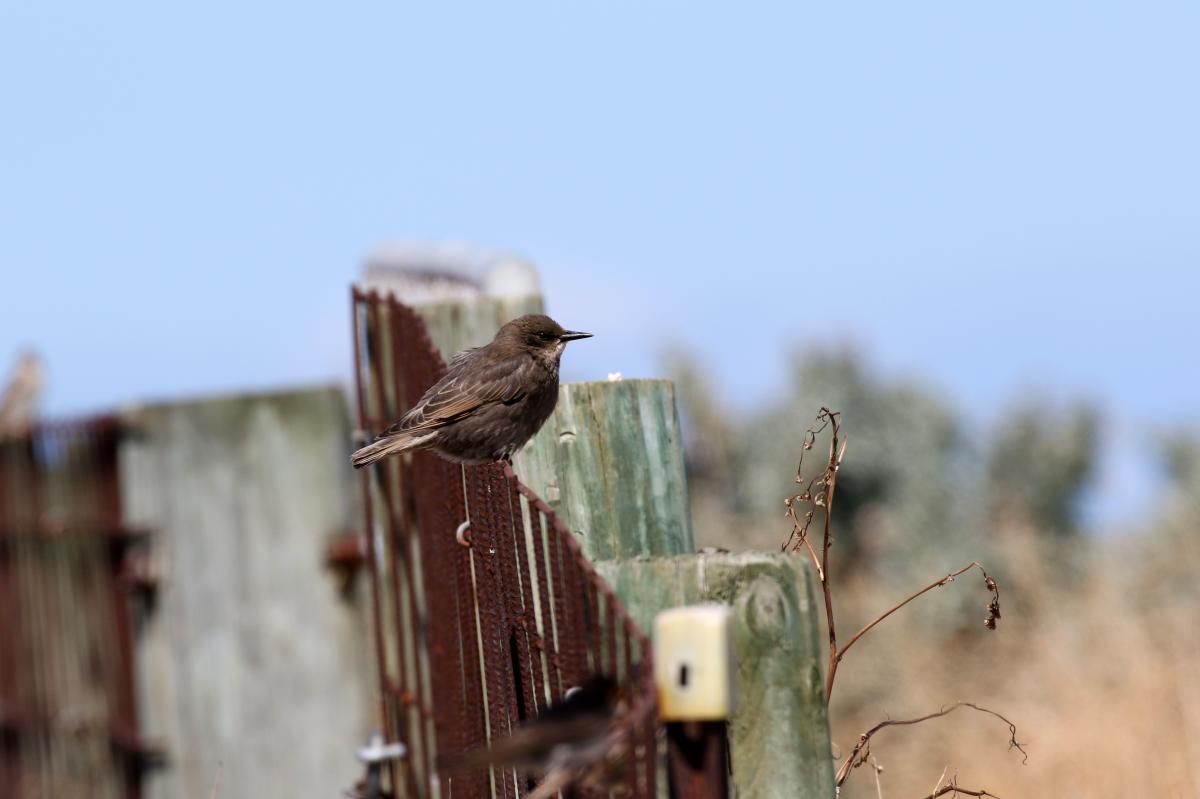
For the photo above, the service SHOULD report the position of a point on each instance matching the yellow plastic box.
(693, 663)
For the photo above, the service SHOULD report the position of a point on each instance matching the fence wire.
(473, 641)
(68, 716)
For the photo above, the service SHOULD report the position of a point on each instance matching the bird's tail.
(387, 445)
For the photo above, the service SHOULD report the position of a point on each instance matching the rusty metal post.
(697, 754)
(363, 316)
(68, 629)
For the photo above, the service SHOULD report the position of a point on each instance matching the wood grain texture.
(255, 669)
(609, 462)
(779, 734)
(455, 326)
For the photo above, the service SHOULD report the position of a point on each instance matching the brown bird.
(491, 401)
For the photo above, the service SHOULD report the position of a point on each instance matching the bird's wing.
(462, 356)
(471, 383)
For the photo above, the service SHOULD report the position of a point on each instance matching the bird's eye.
(547, 336)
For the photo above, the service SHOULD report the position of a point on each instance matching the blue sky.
(1002, 198)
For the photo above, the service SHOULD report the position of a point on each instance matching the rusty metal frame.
(472, 641)
(67, 680)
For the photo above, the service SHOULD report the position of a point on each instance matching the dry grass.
(1097, 662)
(1105, 695)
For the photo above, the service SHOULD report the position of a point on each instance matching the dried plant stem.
(816, 561)
(935, 584)
(938, 784)
(836, 654)
(831, 484)
(953, 788)
(818, 493)
(862, 750)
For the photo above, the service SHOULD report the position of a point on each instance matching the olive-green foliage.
(1169, 556)
(1039, 463)
(918, 492)
(1181, 455)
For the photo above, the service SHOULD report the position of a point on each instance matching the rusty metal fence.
(471, 641)
(68, 714)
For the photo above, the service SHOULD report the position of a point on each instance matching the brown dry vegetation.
(1102, 687)
(1097, 657)
(1097, 662)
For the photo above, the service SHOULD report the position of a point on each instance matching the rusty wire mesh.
(68, 715)
(470, 642)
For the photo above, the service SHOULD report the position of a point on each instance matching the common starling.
(491, 401)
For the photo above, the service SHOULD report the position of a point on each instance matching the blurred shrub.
(916, 490)
(1039, 464)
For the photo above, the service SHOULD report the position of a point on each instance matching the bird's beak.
(571, 335)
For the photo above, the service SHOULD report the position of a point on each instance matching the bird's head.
(537, 333)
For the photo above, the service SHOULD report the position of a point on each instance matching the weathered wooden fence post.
(610, 464)
(779, 735)
(254, 667)
(454, 326)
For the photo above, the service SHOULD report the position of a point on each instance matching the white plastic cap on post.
(693, 663)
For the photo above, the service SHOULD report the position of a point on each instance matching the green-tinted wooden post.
(455, 326)
(779, 734)
(610, 464)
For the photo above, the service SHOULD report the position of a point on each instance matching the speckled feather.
(491, 401)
